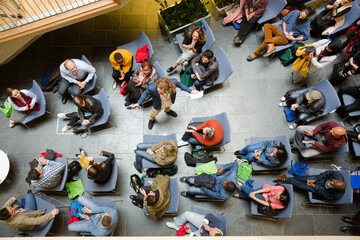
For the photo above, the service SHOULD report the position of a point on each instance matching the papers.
(197, 95)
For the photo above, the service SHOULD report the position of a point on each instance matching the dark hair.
(4, 214)
(118, 57)
(152, 200)
(34, 174)
(230, 186)
(9, 91)
(309, 10)
(336, 45)
(94, 171)
(208, 54)
(281, 153)
(200, 31)
(284, 197)
(79, 100)
(146, 64)
(106, 221)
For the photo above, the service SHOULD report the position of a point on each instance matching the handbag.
(135, 182)
(267, 210)
(185, 78)
(123, 90)
(74, 168)
(336, 75)
(291, 115)
(6, 109)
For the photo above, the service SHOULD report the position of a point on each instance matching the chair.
(159, 69)
(91, 84)
(174, 196)
(225, 67)
(102, 97)
(40, 100)
(347, 198)
(257, 167)
(224, 120)
(102, 203)
(340, 150)
(355, 145)
(205, 212)
(350, 18)
(210, 39)
(42, 229)
(273, 9)
(285, 213)
(133, 46)
(93, 188)
(155, 139)
(61, 185)
(332, 99)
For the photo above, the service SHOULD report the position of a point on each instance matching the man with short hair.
(47, 174)
(75, 74)
(208, 225)
(329, 185)
(225, 183)
(327, 137)
(24, 218)
(99, 221)
(121, 61)
(208, 133)
(205, 68)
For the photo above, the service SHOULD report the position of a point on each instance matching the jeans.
(82, 226)
(189, 137)
(192, 189)
(194, 218)
(198, 84)
(141, 153)
(299, 136)
(247, 190)
(30, 202)
(67, 87)
(249, 150)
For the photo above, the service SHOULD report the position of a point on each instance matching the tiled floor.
(250, 102)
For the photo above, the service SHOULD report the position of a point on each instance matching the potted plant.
(217, 7)
(175, 18)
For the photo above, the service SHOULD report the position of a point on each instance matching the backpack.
(200, 154)
(291, 115)
(74, 210)
(6, 109)
(244, 171)
(267, 210)
(74, 168)
(191, 161)
(170, 171)
(135, 182)
(52, 81)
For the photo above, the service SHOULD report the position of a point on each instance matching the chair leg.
(309, 204)
(263, 217)
(99, 131)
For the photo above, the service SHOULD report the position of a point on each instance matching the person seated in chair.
(99, 172)
(276, 197)
(205, 68)
(353, 91)
(143, 76)
(326, 138)
(268, 153)
(47, 174)
(329, 185)
(208, 225)
(99, 221)
(23, 102)
(75, 74)
(163, 153)
(121, 61)
(155, 197)
(12, 215)
(351, 67)
(89, 109)
(293, 25)
(225, 180)
(208, 133)
(310, 103)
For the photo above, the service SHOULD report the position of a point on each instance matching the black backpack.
(267, 210)
(74, 168)
(192, 161)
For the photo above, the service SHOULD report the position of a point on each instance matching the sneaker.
(114, 86)
(282, 99)
(183, 179)
(282, 104)
(151, 124)
(292, 126)
(61, 115)
(66, 128)
(127, 103)
(172, 113)
(172, 225)
(170, 70)
(182, 143)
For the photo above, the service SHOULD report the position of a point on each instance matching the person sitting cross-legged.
(208, 225)
(329, 185)
(224, 186)
(99, 221)
(327, 137)
(47, 174)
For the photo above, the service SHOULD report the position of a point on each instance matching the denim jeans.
(141, 153)
(66, 87)
(189, 137)
(198, 84)
(30, 202)
(82, 226)
(247, 190)
(192, 189)
(194, 218)
(249, 150)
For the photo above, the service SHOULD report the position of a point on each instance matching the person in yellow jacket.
(121, 61)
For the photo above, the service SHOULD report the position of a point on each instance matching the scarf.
(28, 100)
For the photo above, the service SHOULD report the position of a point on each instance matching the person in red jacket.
(326, 137)
(208, 133)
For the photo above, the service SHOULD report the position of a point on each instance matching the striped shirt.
(52, 175)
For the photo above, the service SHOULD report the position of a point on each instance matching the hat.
(313, 95)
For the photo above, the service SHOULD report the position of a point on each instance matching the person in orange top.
(208, 133)
(121, 61)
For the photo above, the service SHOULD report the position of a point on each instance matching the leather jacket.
(93, 106)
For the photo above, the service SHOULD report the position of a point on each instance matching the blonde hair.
(200, 31)
(166, 85)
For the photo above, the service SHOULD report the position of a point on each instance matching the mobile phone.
(186, 227)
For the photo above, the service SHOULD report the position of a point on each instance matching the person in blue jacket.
(163, 94)
(225, 183)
